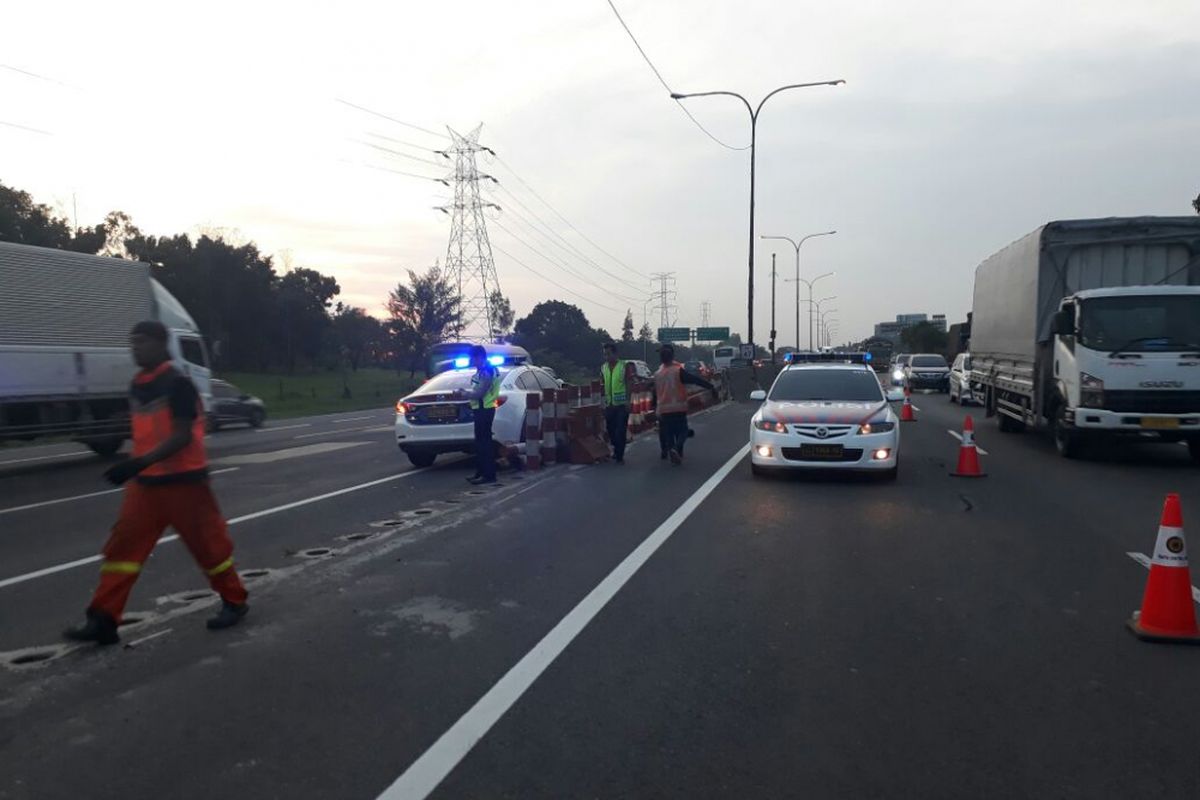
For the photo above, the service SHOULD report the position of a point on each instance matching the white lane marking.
(282, 428)
(271, 456)
(136, 642)
(351, 419)
(46, 458)
(1144, 560)
(244, 518)
(424, 774)
(915, 407)
(55, 502)
(341, 431)
(958, 436)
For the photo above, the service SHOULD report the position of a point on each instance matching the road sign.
(674, 334)
(712, 334)
(747, 352)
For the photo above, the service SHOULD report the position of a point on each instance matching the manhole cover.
(392, 523)
(450, 502)
(476, 492)
(255, 573)
(188, 597)
(420, 512)
(355, 537)
(132, 619)
(35, 657)
(316, 552)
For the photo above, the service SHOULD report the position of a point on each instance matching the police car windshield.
(808, 383)
(449, 381)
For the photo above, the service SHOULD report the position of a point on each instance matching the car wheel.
(257, 417)
(892, 473)
(755, 469)
(421, 458)
(107, 446)
(212, 425)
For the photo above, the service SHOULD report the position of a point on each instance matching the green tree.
(924, 337)
(303, 297)
(553, 325)
(502, 316)
(23, 221)
(422, 314)
(1196, 204)
(358, 335)
(627, 327)
(646, 334)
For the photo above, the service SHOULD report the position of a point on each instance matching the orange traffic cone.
(968, 454)
(1168, 613)
(906, 411)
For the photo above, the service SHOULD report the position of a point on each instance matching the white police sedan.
(828, 414)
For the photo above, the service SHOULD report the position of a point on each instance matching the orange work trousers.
(146, 511)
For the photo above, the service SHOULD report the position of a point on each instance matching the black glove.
(123, 470)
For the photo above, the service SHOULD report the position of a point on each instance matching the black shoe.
(620, 461)
(99, 628)
(229, 615)
(664, 455)
(481, 481)
(676, 457)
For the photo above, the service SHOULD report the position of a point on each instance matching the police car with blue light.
(826, 411)
(434, 419)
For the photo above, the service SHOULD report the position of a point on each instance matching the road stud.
(968, 453)
(1168, 613)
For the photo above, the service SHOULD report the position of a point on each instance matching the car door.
(221, 395)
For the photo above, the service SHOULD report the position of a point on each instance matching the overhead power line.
(366, 110)
(568, 223)
(442, 181)
(393, 140)
(397, 153)
(556, 283)
(664, 83)
(26, 128)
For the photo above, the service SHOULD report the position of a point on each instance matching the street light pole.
(822, 318)
(772, 308)
(753, 140)
(796, 245)
(809, 284)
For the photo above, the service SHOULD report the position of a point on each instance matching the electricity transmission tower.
(469, 264)
(665, 297)
(705, 312)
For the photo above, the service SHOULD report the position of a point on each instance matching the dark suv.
(927, 371)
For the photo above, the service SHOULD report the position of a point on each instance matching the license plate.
(442, 412)
(1160, 422)
(820, 452)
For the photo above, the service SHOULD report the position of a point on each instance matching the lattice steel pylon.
(469, 264)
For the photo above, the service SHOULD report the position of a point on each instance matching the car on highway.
(896, 368)
(960, 380)
(697, 367)
(830, 414)
(433, 420)
(231, 406)
(642, 370)
(927, 371)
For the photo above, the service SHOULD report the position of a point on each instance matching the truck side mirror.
(1063, 323)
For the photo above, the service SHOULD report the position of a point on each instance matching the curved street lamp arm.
(754, 113)
(678, 96)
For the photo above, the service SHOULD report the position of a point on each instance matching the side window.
(544, 379)
(527, 382)
(192, 351)
(222, 391)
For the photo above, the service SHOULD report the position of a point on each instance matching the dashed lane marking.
(79, 562)
(272, 456)
(958, 436)
(1144, 560)
(343, 431)
(424, 774)
(352, 419)
(46, 458)
(274, 428)
(55, 502)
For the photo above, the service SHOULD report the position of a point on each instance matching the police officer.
(617, 375)
(671, 403)
(483, 394)
(171, 488)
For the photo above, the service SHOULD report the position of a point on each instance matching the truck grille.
(1154, 402)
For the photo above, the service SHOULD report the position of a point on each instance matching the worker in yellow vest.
(671, 403)
(484, 395)
(618, 376)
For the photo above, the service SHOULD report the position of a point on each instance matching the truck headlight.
(1091, 391)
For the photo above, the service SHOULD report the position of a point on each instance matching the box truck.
(1092, 329)
(65, 364)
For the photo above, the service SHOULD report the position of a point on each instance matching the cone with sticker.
(1168, 613)
(906, 411)
(968, 453)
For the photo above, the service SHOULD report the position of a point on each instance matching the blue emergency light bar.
(465, 361)
(827, 358)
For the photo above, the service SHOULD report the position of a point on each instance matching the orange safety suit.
(173, 492)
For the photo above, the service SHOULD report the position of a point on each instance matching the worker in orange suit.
(171, 488)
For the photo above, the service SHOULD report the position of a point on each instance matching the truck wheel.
(1194, 449)
(1008, 424)
(421, 458)
(1066, 441)
(106, 447)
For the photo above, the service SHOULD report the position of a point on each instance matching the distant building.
(891, 330)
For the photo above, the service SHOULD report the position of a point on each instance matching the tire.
(1194, 449)
(1066, 441)
(758, 471)
(421, 458)
(892, 474)
(951, 396)
(1008, 424)
(212, 425)
(106, 447)
(257, 418)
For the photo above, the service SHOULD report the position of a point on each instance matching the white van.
(723, 357)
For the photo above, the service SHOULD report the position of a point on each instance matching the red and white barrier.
(533, 430)
(549, 426)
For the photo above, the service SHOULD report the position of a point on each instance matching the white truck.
(1092, 329)
(65, 364)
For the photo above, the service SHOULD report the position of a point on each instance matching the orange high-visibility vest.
(152, 424)
(669, 389)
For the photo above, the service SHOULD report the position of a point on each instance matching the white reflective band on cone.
(1170, 550)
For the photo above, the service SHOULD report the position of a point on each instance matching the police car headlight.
(876, 427)
(770, 425)
(898, 375)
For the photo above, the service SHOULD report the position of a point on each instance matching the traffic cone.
(906, 411)
(1168, 613)
(968, 454)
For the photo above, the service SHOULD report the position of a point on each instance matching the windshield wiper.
(1167, 341)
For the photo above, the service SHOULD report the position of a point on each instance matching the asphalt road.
(637, 631)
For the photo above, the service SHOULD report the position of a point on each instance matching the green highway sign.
(712, 334)
(674, 334)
